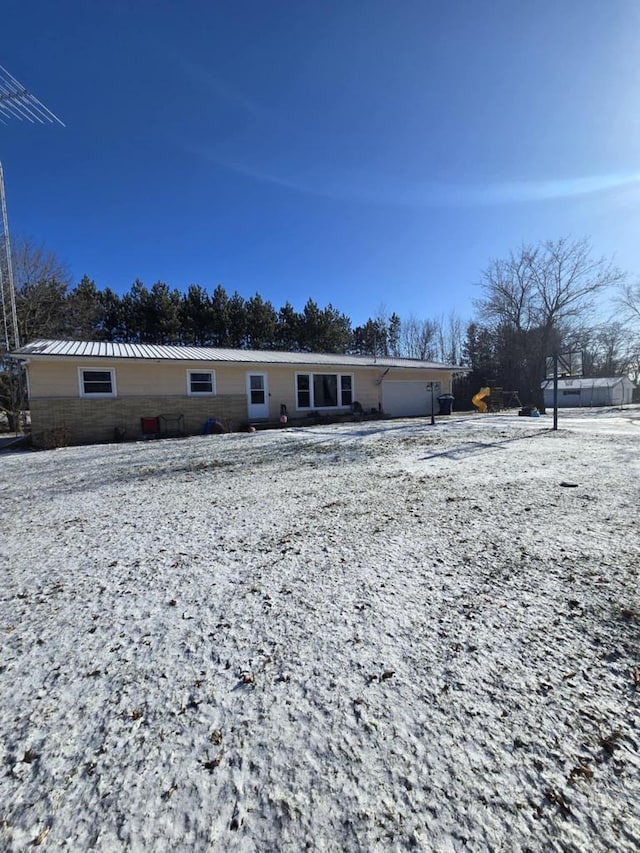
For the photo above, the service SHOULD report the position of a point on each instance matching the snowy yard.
(378, 636)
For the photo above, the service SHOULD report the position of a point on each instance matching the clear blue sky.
(360, 153)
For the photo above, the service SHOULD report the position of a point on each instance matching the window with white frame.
(201, 383)
(324, 390)
(97, 383)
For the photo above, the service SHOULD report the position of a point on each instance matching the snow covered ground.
(376, 636)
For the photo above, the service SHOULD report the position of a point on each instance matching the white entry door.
(257, 396)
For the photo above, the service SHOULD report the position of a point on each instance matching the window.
(97, 383)
(304, 391)
(345, 390)
(201, 382)
(256, 388)
(571, 392)
(324, 390)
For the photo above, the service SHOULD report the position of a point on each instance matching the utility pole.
(7, 289)
(16, 102)
(555, 390)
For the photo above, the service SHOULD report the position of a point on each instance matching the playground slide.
(478, 399)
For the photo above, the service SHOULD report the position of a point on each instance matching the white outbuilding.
(600, 391)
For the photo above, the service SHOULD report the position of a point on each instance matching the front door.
(257, 396)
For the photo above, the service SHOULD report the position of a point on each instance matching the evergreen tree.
(196, 317)
(324, 330)
(237, 329)
(111, 326)
(84, 311)
(163, 315)
(261, 321)
(288, 329)
(220, 319)
(371, 338)
(393, 335)
(136, 314)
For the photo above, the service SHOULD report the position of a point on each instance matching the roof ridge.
(185, 352)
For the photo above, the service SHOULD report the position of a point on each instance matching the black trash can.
(445, 401)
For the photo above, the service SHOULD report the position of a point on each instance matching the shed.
(599, 391)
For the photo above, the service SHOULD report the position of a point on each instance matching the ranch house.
(99, 391)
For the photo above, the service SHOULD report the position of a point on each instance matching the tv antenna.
(16, 102)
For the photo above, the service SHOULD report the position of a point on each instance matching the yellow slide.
(478, 399)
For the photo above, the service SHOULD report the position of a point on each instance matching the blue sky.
(365, 154)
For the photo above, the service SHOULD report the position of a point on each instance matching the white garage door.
(405, 399)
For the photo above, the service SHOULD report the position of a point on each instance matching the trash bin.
(445, 401)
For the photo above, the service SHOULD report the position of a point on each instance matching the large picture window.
(201, 383)
(324, 390)
(97, 383)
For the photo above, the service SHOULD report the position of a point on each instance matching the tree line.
(48, 306)
(537, 300)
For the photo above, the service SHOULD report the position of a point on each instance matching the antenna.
(18, 102)
(15, 102)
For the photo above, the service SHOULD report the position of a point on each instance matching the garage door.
(405, 399)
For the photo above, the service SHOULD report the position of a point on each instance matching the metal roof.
(596, 382)
(104, 349)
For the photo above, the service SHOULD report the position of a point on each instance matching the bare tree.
(628, 301)
(613, 349)
(535, 298)
(451, 337)
(633, 367)
(509, 297)
(628, 304)
(418, 339)
(41, 281)
(607, 349)
(33, 261)
(545, 286)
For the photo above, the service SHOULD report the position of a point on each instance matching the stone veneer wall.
(58, 421)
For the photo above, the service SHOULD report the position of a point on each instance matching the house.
(98, 391)
(603, 391)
